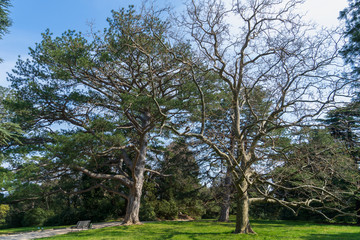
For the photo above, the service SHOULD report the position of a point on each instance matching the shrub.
(147, 212)
(166, 209)
(194, 209)
(4, 210)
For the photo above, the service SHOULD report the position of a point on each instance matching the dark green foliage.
(4, 17)
(177, 193)
(66, 210)
(166, 209)
(344, 125)
(99, 205)
(317, 159)
(5, 21)
(351, 50)
(147, 211)
(67, 216)
(268, 211)
(9, 131)
(107, 94)
(35, 217)
(15, 218)
(210, 204)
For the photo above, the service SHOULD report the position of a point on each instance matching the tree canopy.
(113, 91)
(101, 111)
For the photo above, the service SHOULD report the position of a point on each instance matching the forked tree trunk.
(242, 215)
(225, 204)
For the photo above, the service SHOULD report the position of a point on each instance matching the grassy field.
(208, 229)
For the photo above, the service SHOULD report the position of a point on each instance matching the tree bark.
(135, 191)
(138, 169)
(242, 204)
(242, 215)
(357, 204)
(133, 205)
(225, 204)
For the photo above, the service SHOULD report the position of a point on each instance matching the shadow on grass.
(281, 223)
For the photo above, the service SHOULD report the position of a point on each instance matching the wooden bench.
(82, 225)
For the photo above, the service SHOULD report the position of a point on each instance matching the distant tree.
(351, 49)
(176, 192)
(344, 125)
(344, 121)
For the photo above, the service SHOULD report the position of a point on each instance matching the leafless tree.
(257, 46)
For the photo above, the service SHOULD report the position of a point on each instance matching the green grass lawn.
(208, 229)
(24, 229)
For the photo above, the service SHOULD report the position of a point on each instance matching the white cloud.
(324, 12)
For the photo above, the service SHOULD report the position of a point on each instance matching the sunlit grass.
(25, 229)
(208, 229)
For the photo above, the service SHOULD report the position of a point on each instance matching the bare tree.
(260, 46)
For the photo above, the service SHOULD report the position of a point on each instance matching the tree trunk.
(225, 204)
(242, 215)
(138, 169)
(357, 204)
(242, 206)
(133, 205)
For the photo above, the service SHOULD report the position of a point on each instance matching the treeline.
(144, 121)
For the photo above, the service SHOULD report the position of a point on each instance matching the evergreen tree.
(175, 193)
(351, 50)
(114, 92)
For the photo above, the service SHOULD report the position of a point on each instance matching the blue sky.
(32, 17)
